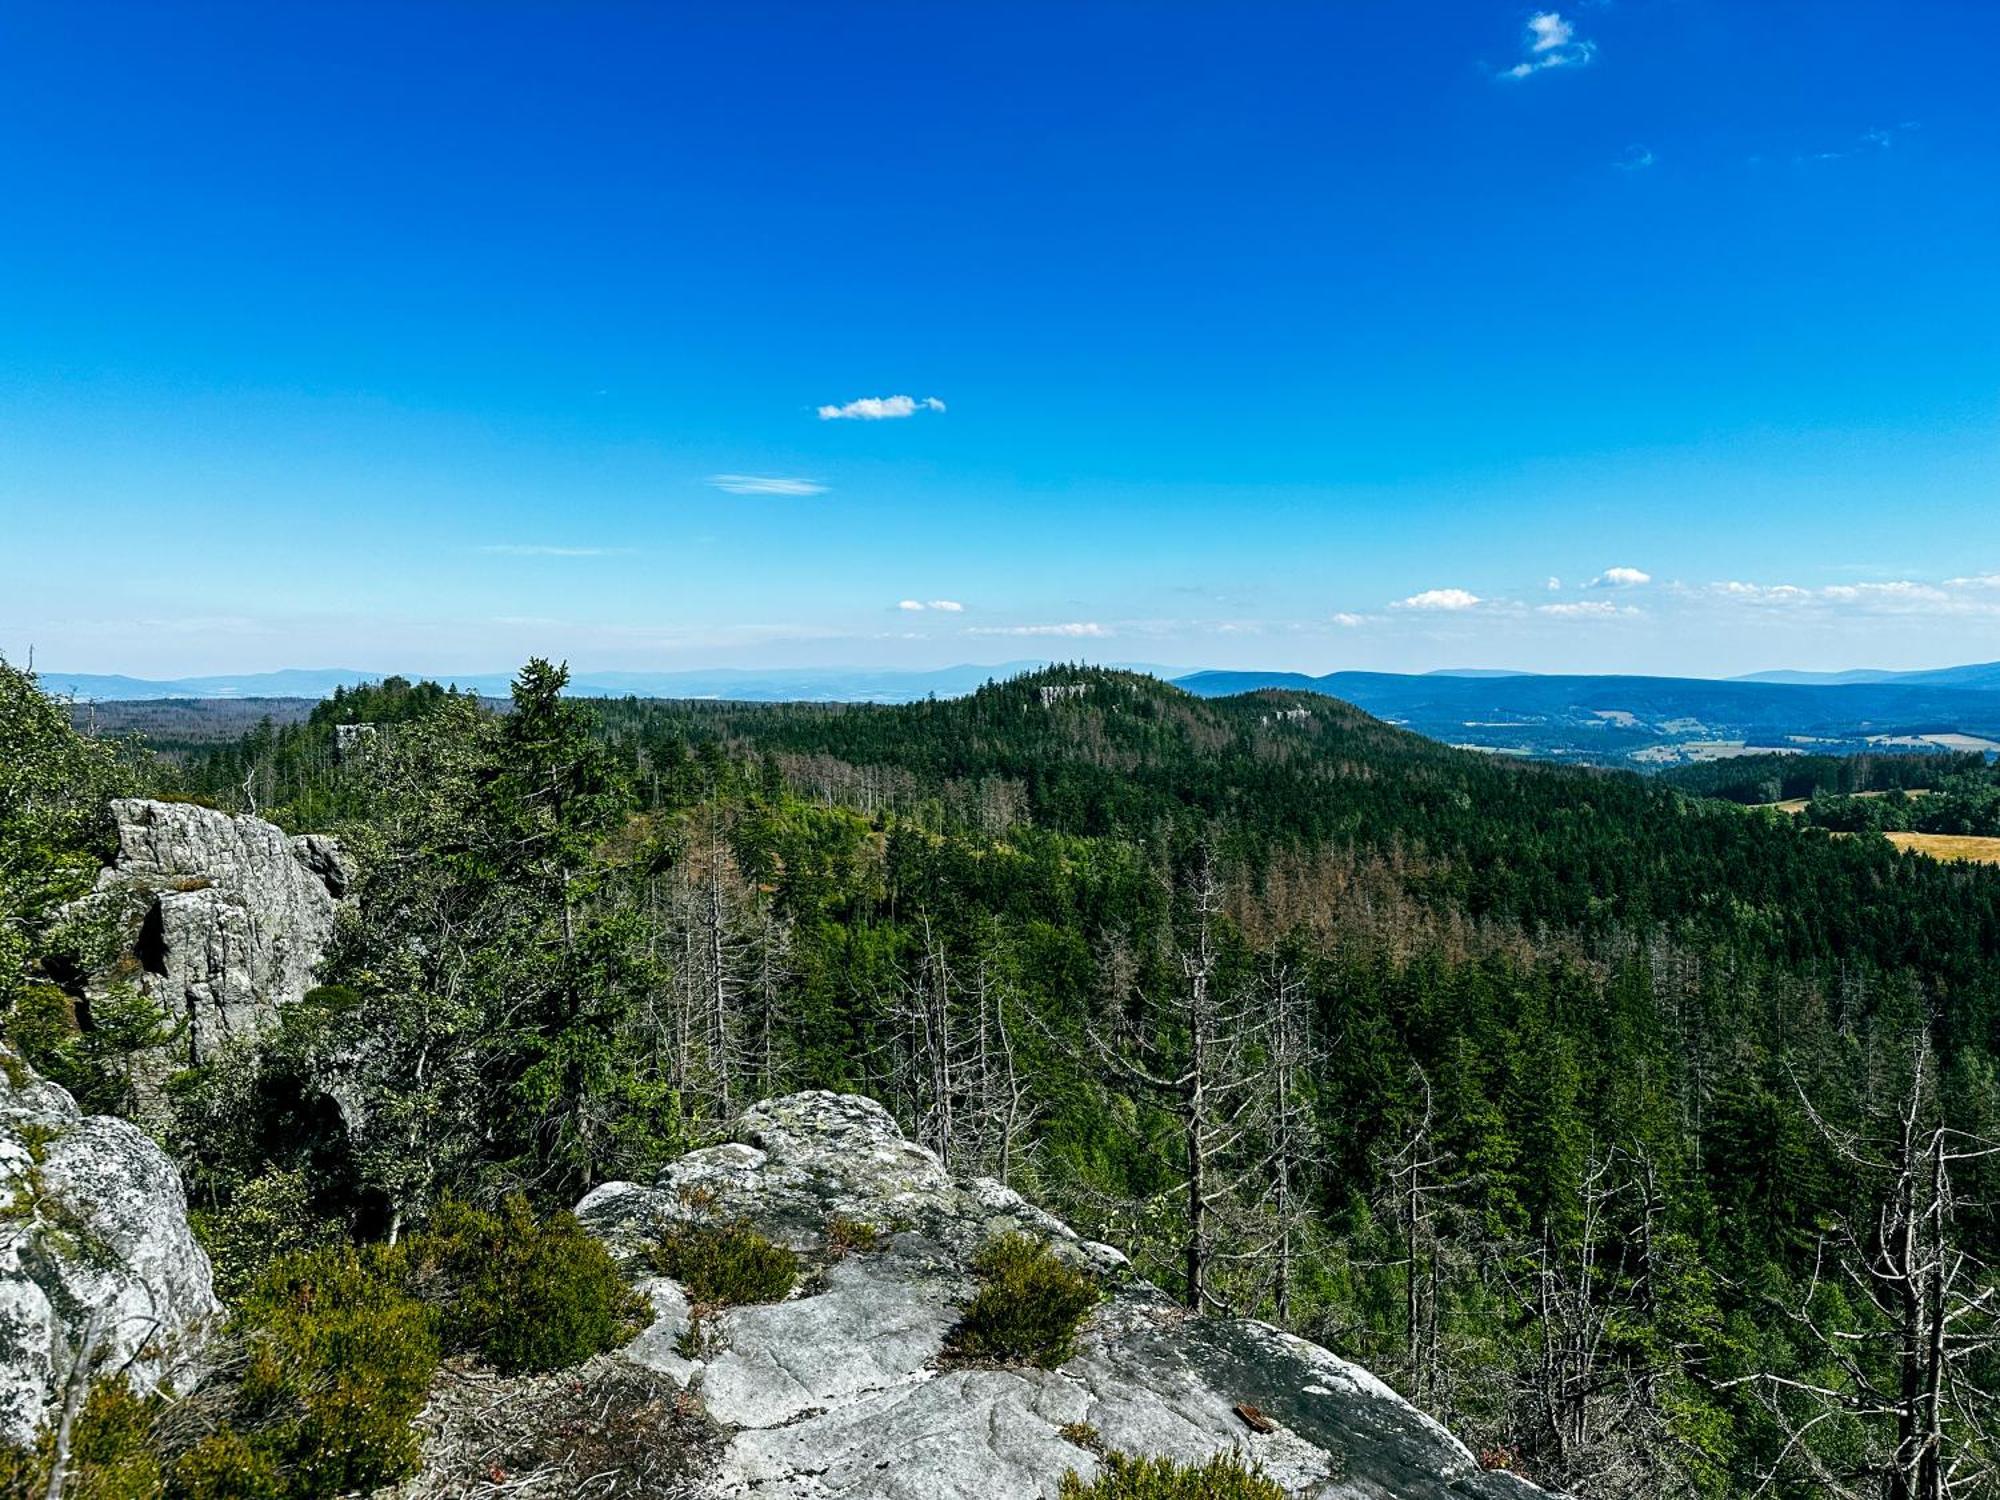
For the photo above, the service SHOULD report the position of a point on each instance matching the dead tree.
(1910, 1367)
(1192, 1057)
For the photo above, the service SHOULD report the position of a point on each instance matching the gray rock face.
(227, 915)
(95, 1252)
(837, 1394)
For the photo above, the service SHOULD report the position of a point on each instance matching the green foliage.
(1028, 1308)
(112, 1451)
(725, 1265)
(267, 1218)
(339, 1358)
(227, 1466)
(99, 1064)
(1222, 1477)
(527, 1295)
(55, 822)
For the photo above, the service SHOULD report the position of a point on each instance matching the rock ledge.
(836, 1393)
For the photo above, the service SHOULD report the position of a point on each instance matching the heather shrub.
(1028, 1308)
(525, 1294)
(1222, 1477)
(725, 1265)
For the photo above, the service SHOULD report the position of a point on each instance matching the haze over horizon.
(1628, 338)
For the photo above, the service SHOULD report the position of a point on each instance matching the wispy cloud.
(1348, 620)
(1620, 578)
(1439, 599)
(1977, 596)
(879, 408)
(1084, 628)
(1552, 42)
(1635, 159)
(765, 484)
(538, 549)
(945, 606)
(1585, 609)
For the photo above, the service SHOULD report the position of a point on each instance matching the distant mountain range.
(1984, 676)
(801, 684)
(1608, 719)
(1664, 720)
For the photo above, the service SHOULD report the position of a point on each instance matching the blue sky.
(1638, 335)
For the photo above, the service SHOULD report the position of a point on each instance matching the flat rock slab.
(837, 1393)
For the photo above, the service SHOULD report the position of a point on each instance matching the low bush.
(338, 1360)
(1028, 1308)
(526, 1295)
(1222, 1477)
(725, 1265)
(226, 1466)
(268, 1217)
(112, 1455)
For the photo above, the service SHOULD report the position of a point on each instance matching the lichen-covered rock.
(838, 1393)
(95, 1251)
(225, 917)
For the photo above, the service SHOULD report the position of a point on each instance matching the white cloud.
(879, 408)
(945, 606)
(1554, 585)
(1620, 578)
(1585, 609)
(1439, 599)
(1552, 43)
(1073, 628)
(765, 484)
(912, 605)
(533, 549)
(1968, 596)
(1349, 621)
(1635, 159)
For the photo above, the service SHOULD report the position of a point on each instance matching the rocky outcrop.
(839, 1393)
(96, 1257)
(225, 917)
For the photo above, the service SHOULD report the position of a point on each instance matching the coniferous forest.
(1650, 1140)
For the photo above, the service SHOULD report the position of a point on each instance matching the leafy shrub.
(226, 1466)
(725, 1265)
(111, 1457)
(1028, 1307)
(1222, 1477)
(339, 1359)
(526, 1295)
(269, 1217)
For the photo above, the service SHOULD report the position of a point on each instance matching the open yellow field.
(1983, 851)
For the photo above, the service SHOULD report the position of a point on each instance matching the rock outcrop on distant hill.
(225, 916)
(838, 1392)
(96, 1257)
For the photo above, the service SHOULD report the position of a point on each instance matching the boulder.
(95, 1254)
(225, 916)
(839, 1392)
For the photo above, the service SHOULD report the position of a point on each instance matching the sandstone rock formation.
(837, 1394)
(96, 1256)
(226, 916)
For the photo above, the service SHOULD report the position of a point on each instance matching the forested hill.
(1536, 1089)
(1093, 753)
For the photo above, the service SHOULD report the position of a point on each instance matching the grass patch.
(1028, 1308)
(725, 1265)
(1222, 1477)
